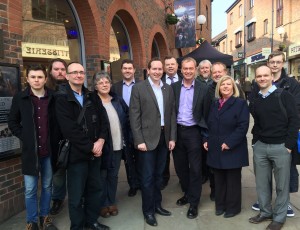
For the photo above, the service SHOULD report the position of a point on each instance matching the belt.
(186, 127)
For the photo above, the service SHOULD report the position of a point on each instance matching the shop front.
(294, 60)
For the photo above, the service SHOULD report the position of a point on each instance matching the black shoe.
(212, 196)
(150, 219)
(219, 212)
(56, 207)
(192, 213)
(96, 226)
(32, 226)
(229, 215)
(162, 212)
(182, 201)
(132, 192)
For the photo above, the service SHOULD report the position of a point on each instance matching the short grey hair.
(100, 75)
(203, 62)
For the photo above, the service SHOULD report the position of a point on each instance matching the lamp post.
(201, 19)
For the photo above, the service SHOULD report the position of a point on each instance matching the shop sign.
(45, 51)
(256, 58)
(294, 49)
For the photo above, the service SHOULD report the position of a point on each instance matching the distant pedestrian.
(247, 88)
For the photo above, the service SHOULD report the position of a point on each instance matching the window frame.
(266, 26)
(238, 39)
(251, 4)
(251, 29)
(279, 13)
(241, 10)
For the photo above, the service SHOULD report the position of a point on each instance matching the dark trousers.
(84, 192)
(110, 181)
(188, 162)
(166, 173)
(131, 167)
(151, 167)
(228, 189)
(207, 171)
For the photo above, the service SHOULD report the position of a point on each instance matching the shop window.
(279, 12)
(238, 39)
(265, 26)
(251, 32)
(251, 2)
(119, 47)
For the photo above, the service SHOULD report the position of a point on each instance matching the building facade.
(97, 33)
(256, 28)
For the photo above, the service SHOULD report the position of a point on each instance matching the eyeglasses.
(275, 62)
(77, 72)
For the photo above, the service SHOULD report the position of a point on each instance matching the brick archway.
(128, 16)
(159, 35)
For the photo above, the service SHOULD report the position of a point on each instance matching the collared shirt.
(271, 90)
(169, 81)
(40, 105)
(185, 111)
(79, 97)
(159, 98)
(127, 91)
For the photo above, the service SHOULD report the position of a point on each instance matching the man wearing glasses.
(87, 136)
(281, 80)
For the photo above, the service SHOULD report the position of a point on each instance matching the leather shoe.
(150, 219)
(259, 218)
(96, 226)
(56, 207)
(219, 212)
(274, 226)
(113, 210)
(104, 212)
(182, 201)
(162, 212)
(132, 192)
(229, 215)
(192, 213)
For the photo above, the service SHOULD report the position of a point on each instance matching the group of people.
(200, 116)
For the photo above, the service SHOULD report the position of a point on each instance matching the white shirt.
(159, 98)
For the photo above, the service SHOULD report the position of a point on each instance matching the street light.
(280, 31)
(201, 19)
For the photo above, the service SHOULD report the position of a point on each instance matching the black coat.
(93, 126)
(21, 123)
(228, 125)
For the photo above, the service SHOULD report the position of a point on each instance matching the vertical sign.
(185, 31)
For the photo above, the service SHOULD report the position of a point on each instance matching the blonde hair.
(225, 78)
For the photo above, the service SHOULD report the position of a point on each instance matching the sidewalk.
(130, 215)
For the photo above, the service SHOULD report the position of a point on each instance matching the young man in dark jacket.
(31, 118)
(87, 139)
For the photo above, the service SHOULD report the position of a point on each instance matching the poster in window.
(9, 85)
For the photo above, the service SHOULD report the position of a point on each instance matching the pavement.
(131, 218)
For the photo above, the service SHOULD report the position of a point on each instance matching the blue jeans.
(31, 190)
(59, 185)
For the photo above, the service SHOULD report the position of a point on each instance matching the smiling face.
(276, 64)
(128, 71)
(36, 79)
(75, 75)
(204, 70)
(264, 77)
(188, 70)
(171, 67)
(103, 86)
(155, 71)
(226, 88)
(218, 71)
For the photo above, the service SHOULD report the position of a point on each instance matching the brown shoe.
(104, 212)
(274, 226)
(259, 218)
(113, 210)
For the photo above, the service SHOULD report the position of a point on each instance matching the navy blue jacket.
(228, 125)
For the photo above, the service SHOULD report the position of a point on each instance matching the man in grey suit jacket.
(153, 124)
(123, 89)
(192, 106)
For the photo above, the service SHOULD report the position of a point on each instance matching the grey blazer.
(145, 116)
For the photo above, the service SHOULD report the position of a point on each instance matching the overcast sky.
(219, 19)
